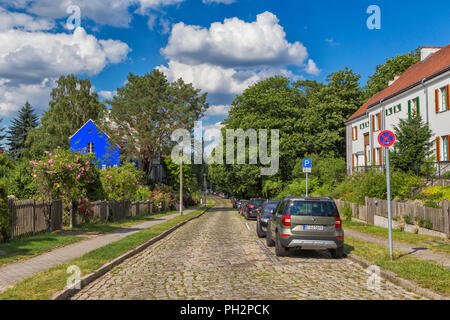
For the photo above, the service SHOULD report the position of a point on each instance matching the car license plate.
(314, 227)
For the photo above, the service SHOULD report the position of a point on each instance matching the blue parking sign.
(307, 163)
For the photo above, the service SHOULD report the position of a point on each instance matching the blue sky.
(301, 39)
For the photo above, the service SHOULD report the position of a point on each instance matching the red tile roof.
(432, 66)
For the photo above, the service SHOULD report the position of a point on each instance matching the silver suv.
(306, 223)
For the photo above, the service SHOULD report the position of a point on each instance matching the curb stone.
(66, 293)
(406, 284)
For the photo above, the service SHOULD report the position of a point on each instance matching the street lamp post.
(181, 183)
(204, 187)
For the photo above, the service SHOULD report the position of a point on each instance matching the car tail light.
(338, 223)
(286, 221)
(251, 206)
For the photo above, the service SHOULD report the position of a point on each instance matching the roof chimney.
(425, 52)
(393, 80)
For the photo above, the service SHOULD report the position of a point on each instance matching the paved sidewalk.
(15, 272)
(441, 258)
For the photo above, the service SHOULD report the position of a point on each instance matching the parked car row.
(309, 223)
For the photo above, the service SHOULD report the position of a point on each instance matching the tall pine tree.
(25, 121)
(2, 135)
(413, 144)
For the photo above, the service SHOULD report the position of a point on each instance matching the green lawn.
(28, 247)
(25, 248)
(416, 239)
(44, 284)
(423, 272)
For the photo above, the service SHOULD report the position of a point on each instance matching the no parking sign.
(386, 139)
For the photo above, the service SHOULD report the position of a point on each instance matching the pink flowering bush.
(85, 209)
(63, 175)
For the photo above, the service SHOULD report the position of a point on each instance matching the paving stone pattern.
(217, 257)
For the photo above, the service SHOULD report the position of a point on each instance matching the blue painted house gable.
(90, 139)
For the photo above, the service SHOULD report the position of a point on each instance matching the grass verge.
(43, 285)
(416, 239)
(26, 248)
(423, 272)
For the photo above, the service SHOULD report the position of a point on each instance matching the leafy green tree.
(310, 117)
(328, 109)
(413, 143)
(190, 182)
(73, 102)
(121, 183)
(147, 110)
(2, 135)
(25, 121)
(387, 71)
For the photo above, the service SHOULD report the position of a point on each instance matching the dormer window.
(90, 147)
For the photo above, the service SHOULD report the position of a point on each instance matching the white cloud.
(12, 97)
(17, 20)
(33, 56)
(331, 42)
(148, 4)
(107, 94)
(30, 62)
(235, 43)
(218, 110)
(311, 68)
(222, 84)
(113, 12)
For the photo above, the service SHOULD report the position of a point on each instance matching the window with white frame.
(443, 99)
(413, 107)
(90, 147)
(445, 148)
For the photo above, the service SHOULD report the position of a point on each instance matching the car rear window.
(312, 208)
(257, 202)
(270, 206)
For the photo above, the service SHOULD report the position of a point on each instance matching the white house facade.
(423, 88)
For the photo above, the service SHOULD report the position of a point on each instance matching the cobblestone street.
(218, 256)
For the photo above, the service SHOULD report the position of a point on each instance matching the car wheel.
(280, 251)
(259, 232)
(269, 241)
(338, 252)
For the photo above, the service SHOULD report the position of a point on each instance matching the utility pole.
(181, 183)
(204, 187)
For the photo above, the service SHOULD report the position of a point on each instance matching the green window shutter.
(399, 108)
(418, 105)
(409, 108)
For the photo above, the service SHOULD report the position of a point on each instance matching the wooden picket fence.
(30, 217)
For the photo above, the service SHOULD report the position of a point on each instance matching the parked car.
(251, 210)
(306, 223)
(234, 202)
(243, 204)
(239, 204)
(224, 196)
(264, 214)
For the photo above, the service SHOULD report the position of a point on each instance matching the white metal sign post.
(386, 139)
(307, 169)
